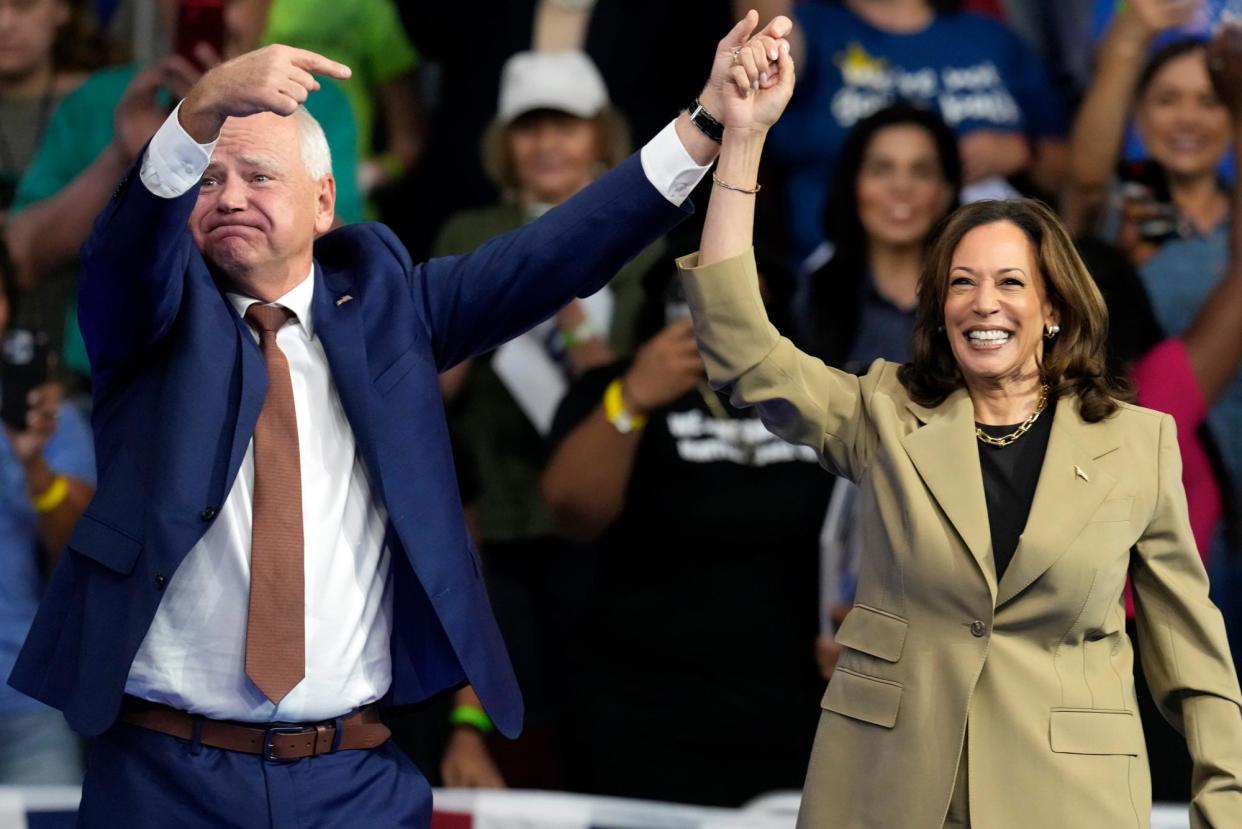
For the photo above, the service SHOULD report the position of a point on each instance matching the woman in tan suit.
(1007, 494)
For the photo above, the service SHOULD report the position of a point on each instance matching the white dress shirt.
(193, 656)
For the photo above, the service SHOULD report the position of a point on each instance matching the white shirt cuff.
(174, 162)
(668, 166)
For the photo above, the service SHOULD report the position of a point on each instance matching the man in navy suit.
(276, 544)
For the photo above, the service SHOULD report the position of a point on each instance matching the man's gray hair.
(316, 156)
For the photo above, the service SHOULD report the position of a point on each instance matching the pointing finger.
(317, 63)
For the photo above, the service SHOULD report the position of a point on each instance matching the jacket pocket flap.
(873, 631)
(105, 544)
(1094, 731)
(863, 697)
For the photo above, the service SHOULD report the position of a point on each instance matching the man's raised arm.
(478, 301)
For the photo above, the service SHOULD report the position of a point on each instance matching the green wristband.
(472, 716)
(583, 333)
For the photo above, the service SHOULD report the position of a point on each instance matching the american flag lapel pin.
(343, 300)
(1078, 471)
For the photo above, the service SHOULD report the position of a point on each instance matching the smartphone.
(24, 363)
(199, 21)
(1144, 180)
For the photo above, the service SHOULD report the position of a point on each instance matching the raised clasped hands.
(752, 75)
(275, 79)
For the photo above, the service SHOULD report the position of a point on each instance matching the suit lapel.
(338, 325)
(947, 459)
(1071, 488)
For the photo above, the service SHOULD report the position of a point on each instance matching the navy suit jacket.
(179, 381)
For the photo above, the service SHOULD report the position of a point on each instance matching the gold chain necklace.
(1005, 440)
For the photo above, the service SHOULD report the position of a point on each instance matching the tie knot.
(267, 318)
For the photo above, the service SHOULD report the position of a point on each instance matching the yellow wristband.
(53, 496)
(614, 410)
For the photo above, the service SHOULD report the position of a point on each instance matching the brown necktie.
(275, 637)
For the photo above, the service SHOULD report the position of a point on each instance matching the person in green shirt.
(90, 141)
(381, 89)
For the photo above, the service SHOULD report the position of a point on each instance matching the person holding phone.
(47, 477)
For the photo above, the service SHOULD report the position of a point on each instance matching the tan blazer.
(1029, 679)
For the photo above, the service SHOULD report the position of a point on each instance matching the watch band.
(705, 121)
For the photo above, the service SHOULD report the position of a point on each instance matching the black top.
(705, 608)
(1010, 474)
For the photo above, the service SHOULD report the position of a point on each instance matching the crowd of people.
(659, 562)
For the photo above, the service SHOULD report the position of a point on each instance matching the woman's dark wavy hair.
(1074, 362)
(831, 319)
(842, 222)
(1165, 55)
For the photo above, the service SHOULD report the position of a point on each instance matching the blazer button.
(208, 513)
(978, 628)
(160, 581)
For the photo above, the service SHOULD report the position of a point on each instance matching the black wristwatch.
(705, 121)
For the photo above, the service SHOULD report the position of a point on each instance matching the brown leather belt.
(278, 741)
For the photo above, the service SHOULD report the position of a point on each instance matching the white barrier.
(521, 809)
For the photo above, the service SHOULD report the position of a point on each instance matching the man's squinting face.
(996, 307)
(258, 209)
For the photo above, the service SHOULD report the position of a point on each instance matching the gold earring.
(1052, 331)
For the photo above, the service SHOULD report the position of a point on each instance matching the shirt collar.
(298, 300)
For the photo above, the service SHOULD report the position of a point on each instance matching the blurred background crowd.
(660, 573)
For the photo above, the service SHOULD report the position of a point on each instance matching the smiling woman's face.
(1183, 124)
(996, 306)
(902, 191)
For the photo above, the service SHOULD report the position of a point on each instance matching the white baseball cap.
(564, 81)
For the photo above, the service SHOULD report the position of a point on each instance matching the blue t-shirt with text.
(971, 69)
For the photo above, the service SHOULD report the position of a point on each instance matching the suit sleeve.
(1184, 650)
(477, 301)
(798, 397)
(133, 269)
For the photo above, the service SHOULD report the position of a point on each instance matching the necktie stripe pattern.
(275, 626)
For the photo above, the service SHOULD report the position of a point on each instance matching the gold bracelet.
(53, 496)
(719, 182)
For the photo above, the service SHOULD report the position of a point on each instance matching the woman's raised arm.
(798, 397)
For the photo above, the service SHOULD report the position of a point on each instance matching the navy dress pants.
(141, 779)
